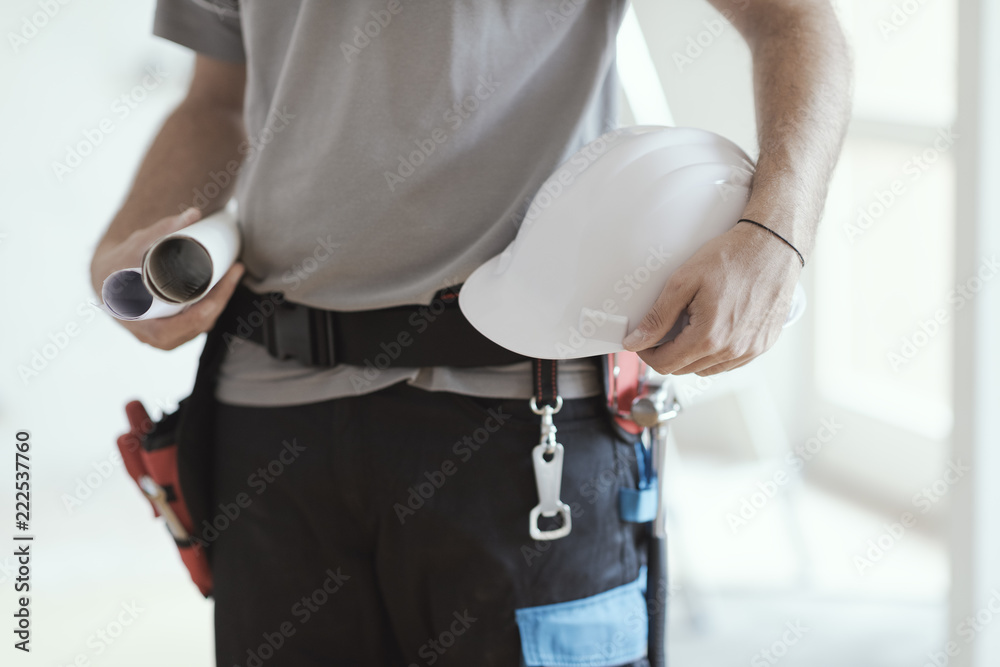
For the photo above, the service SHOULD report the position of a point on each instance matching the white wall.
(93, 556)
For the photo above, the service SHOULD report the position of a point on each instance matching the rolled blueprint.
(126, 298)
(177, 270)
(182, 267)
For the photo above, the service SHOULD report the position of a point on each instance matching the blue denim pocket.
(603, 630)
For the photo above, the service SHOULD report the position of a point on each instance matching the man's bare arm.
(201, 136)
(737, 289)
(802, 90)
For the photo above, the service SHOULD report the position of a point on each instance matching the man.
(384, 150)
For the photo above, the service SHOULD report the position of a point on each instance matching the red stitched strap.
(546, 385)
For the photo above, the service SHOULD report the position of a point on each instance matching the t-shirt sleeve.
(210, 27)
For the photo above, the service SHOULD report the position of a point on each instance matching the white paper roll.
(126, 297)
(182, 267)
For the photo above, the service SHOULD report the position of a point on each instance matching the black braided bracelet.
(754, 222)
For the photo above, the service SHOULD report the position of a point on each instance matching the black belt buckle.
(302, 333)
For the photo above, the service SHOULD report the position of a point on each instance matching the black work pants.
(392, 529)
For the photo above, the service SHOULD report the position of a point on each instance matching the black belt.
(436, 334)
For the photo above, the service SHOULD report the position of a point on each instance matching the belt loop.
(321, 349)
(268, 331)
(546, 386)
(329, 339)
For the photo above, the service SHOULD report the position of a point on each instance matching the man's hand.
(168, 332)
(202, 136)
(737, 290)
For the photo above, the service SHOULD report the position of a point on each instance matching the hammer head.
(645, 413)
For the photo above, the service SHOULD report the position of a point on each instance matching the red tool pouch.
(624, 379)
(149, 451)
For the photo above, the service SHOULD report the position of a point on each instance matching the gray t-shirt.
(394, 146)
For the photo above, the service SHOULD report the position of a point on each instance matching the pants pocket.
(607, 629)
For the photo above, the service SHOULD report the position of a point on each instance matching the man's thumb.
(659, 321)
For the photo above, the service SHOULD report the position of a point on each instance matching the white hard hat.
(602, 237)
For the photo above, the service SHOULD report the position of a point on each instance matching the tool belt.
(436, 334)
(171, 460)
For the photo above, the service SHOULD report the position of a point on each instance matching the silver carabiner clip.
(548, 477)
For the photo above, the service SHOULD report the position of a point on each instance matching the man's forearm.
(197, 139)
(802, 84)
